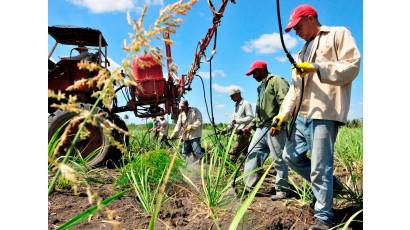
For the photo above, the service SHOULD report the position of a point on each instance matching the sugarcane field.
(205, 114)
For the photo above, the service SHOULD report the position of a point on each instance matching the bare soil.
(183, 210)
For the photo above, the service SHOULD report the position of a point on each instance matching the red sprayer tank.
(150, 80)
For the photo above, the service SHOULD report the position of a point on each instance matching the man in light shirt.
(241, 117)
(189, 129)
(328, 63)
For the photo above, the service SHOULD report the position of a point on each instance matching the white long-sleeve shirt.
(242, 114)
(193, 119)
(327, 92)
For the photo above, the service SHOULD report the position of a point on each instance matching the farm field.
(195, 196)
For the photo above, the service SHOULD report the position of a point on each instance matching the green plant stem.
(161, 194)
(90, 211)
(241, 212)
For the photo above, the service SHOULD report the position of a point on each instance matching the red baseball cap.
(257, 65)
(298, 13)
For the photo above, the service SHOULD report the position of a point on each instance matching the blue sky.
(248, 32)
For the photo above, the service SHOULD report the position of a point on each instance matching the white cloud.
(104, 6)
(224, 89)
(268, 44)
(155, 2)
(281, 59)
(220, 106)
(215, 73)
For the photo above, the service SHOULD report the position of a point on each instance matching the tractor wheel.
(116, 154)
(96, 143)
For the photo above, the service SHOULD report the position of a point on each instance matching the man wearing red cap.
(271, 92)
(329, 62)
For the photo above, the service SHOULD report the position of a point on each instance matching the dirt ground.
(184, 210)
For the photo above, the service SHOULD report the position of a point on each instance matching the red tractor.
(153, 95)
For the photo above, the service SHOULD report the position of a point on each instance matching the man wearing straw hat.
(241, 117)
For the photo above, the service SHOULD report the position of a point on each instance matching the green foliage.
(303, 189)
(156, 162)
(355, 123)
(349, 156)
(143, 189)
(248, 201)
(160, 197)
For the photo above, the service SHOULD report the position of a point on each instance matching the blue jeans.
(318, 137)
(192, 146)
(257, 157)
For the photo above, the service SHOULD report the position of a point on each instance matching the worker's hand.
(276, 124)
(306, 68)
(188, 129)
(246, 131)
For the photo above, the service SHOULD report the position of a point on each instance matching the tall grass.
(143, 191)
(155, 161)
(214, 178)
(349, 157)
(303, 189)
(248, 201)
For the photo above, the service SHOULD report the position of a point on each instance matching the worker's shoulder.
(276, 79)
(245, 102)
(335, 29)
(195, 109)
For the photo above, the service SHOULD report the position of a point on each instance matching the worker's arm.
(345, 68)
(177, 127)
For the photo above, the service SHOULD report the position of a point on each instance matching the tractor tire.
(96, 139)
(115, 155)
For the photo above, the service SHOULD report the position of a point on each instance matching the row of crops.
(147, 170)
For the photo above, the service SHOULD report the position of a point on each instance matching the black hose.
(289, 56)
(246, 156)
(203, 90)
(209, 116)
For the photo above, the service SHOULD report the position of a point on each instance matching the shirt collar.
(324, 29)
(239, 102)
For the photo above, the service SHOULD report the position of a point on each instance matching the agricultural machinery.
(152, 96)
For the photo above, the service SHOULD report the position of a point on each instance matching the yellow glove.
(188, 129)
(306, 68)
(276, 124)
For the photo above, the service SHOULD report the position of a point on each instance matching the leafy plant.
(156, 161)
(304, 190)
(349, 156)
(248, 201)
(142, 188)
